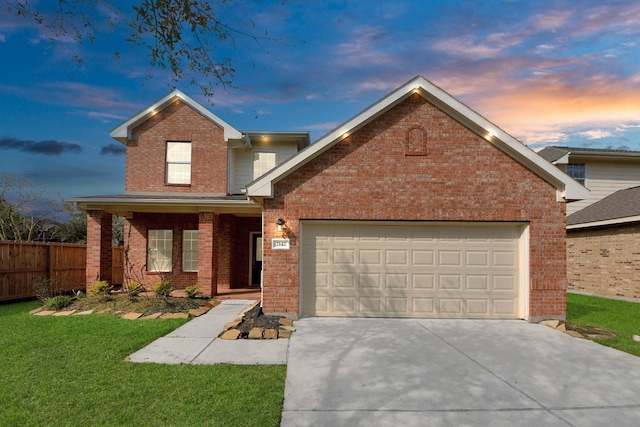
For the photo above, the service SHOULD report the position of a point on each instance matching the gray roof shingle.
(621, 204)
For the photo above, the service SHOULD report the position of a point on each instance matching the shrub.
(133, 289)
(58, 302)
(101, 288)
(44, 288)
(192, 291)
(162, 289)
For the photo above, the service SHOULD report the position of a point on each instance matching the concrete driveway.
(396, 372)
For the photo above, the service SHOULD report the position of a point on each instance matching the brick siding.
(99, 261)
(373, 175)
(146, 152)
(605, 260)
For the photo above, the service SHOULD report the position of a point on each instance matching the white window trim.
(168, 179)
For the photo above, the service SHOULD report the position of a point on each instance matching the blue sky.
(547, 72)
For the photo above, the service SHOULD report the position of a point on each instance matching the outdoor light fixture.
(279, 224)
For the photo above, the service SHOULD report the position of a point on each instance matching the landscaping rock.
(255, 334)
(636, 338)
(551, 323)
(270, 334)
(36, 310)
(174, 316)
(83, 313)
(64, 313)
(284, 333)
(151, 316)
(196, 312)
(288, 328)
(574, 334)
(131, 316)
(231, 334)
(285, 321)
(562, 327)
(231, 325)
(44, 313)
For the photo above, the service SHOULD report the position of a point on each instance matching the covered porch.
(211, 241)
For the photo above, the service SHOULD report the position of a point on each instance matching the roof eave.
(604, 223)
(568, 189)
(122, 132)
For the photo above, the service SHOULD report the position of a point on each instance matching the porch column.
(208, 253)
(99, 237)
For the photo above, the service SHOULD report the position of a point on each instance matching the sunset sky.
(547, 72)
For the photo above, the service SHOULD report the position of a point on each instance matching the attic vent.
(416, 142)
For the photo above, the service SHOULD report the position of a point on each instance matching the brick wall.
(99, 261)
(605, 261)
(374, 175)
(146, 152)
(223, 249)
(135, 243)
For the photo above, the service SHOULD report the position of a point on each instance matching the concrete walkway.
(197, 343)
(389, 372)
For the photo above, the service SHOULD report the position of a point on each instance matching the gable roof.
(558, 154)
(617, 208)
(122, 133)
(552, 153)
(567, 188)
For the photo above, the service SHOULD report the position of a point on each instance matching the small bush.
(162, 289)
(44, 288)
(101, 288)
(133, 289)
(58, 302)
(192, 291)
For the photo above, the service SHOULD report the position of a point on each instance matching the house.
(416, 207)
(603, 231)
(602, 171)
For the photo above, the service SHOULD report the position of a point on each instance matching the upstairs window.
(262, 163)
(178, 163)
(159, 250)
(577, 171)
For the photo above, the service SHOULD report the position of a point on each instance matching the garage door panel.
(415, 270)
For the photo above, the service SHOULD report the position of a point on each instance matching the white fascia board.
(568, 189)
(263, 187)
(122, 133)
(562, 160)
(615, 221)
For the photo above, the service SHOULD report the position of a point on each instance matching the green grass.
(70, 371)
(621, 317)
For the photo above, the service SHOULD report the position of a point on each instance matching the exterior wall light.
(279, 225)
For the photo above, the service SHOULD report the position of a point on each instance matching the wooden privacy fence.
(24, 263)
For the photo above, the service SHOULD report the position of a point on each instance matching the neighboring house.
(416, 207)
(602, 171)
(603, 231)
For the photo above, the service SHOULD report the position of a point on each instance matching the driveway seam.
(494, 374)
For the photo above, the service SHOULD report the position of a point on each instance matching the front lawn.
(621, 317)
(71, 371)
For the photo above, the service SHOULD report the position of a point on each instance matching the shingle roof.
(621, 204)
(552, 153)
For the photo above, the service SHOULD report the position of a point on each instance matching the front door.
(256, 259)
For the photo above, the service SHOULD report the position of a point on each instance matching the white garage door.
(406, 269)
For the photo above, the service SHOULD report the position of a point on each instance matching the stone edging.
(194, 312)
(284, 330)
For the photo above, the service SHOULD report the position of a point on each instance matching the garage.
(412, 269)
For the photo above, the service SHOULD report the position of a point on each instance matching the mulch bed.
(254, 318)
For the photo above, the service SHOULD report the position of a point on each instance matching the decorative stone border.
(230, 331)
(194, 312)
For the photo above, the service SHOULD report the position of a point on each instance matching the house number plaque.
(280, 244)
